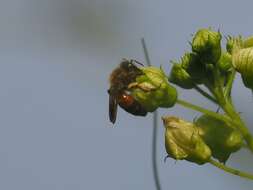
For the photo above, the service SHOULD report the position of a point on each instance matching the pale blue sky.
(55, 58)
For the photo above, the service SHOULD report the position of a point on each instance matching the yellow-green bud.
(219, 136)
(242, 61)
(248, 42)
(183, 142)
(152, 89)
(180, 77)
(207, 44)
(234, 43)
(225, 62)
(193, 66)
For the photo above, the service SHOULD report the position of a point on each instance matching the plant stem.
(203, 110)
(155, 128)
(229, 109)
(228, 88)
(205, 94)
(231, 170)
(154, 150)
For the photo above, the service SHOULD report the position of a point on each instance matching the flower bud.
(248, 42)
(242, 61)
(233, 42)
(152, 89)
(180, 77)
(182, 141)
(219, 136)
(193, 66)
(206, 43)
(225, 62)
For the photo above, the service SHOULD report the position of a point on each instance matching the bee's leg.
(132, 85)
(147, 87)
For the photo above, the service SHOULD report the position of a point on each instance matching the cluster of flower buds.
(188, 72)
(208, 60)
(152, 90)
(198, 66)
(207, 64)
(212, 135)
(199, 141)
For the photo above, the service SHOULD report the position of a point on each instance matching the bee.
(118, 92)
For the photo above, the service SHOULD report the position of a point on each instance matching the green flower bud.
(233, 42)
(225, 62)
(193, 66)
(182, 141)
(206, 43)
(219, 136)
(152, 89)
(242, 61)
(248, 42)
(180, 77)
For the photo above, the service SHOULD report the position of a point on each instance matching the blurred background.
(55, 59)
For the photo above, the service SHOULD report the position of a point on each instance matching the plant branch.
(231, 170)
(227, 106)
(228, 88)
(155, 127)
(231, 112)
(205, 94)
(203, 110)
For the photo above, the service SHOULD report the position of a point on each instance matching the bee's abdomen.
(128, 103)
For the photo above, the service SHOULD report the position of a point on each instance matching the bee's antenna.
(135, 61)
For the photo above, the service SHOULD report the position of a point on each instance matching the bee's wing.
(113, 106)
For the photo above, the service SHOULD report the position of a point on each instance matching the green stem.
(154, 151)
(205, 94)
(155, 128)
(228, 88)
(203, 110)
(229, 109)
(231, 170)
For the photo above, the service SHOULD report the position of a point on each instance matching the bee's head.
(126, 64)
